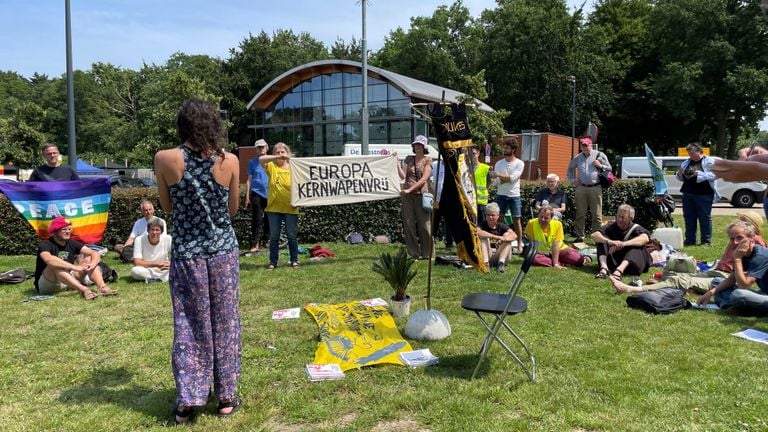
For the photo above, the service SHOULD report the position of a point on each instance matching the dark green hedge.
(316, 224)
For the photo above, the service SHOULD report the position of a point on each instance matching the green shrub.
(316, 224)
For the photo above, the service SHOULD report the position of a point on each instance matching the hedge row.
(316, 224)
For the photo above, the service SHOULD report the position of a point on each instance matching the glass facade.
(322, 113)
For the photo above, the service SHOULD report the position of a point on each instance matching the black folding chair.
(500, 306)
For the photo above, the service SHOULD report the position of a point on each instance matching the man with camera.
(699, 193)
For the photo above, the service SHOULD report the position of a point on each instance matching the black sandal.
(619, 272)
(187, 415)
(602, 274)
(234, 404)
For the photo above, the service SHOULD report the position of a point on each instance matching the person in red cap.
(58, 267)
(583, 173)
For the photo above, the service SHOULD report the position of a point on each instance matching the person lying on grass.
(621, 246)
(701, 282)
(553, 252)
(750, 266)
(58, 267)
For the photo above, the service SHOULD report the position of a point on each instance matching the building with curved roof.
(316, 108)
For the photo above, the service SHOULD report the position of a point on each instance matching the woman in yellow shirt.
(279, 209)
(549, 234)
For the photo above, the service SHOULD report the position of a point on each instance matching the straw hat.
(753, 217)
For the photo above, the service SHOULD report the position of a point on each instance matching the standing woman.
(198, 184)
(699, 191)
(416, 170)
(279, 208)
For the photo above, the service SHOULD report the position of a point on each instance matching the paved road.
(723, 209)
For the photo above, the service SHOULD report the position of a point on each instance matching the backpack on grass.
(14, 276)
(107, 273)
(660, 301)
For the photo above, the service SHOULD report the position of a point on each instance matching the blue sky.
(129, 33)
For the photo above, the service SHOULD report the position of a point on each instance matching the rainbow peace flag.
(84, 202)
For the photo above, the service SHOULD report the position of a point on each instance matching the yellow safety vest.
(481, 177)
(546, 240)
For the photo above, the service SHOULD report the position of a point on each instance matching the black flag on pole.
(457, 203)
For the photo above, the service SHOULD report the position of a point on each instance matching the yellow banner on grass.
(355, 335)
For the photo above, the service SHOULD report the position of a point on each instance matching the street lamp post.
(364, 71)
(225, 116)
(572, 79)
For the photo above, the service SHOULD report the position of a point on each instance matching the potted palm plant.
(397, 271)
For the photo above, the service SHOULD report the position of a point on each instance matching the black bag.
(660, 301)
(108, 274)
(606, 179)
(126, 255)
(14, 276)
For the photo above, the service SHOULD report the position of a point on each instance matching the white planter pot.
(400, 309)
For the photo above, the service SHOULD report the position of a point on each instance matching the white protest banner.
(343, 180)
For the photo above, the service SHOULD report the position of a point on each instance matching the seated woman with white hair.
(552, 196)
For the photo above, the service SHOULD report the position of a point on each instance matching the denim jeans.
(747, 300)
(697, 208)
(514, 204)
(291, 225)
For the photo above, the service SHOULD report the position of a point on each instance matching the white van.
(738, 194)
(402, 150)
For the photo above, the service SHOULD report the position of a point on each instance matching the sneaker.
(501, 267)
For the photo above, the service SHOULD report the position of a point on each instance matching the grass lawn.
(72, 365)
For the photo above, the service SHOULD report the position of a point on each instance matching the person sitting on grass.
(621, 246)
(151, 253)
(492, 231)
(147, 210)
(57, 267)
(750, 266)
(701, 282)
(553, 252)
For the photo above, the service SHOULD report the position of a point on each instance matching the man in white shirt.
(506, 174)
(139, 227)
(151, 253)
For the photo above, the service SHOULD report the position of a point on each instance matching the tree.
(713, 66)
(440, 49)
(530, 48)
(254, 63)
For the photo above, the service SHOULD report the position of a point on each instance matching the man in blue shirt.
(750, 265)
(257, 186)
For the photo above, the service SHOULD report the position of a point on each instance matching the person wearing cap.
(699, 191)
(416, 170)
(53, 170)
(147, 210)
(152, 253)
(750, 266)
(583, 173)
(57, 267)
(256, 195)
(701, 282)
(506, 174)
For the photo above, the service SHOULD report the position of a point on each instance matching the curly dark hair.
(199, 125)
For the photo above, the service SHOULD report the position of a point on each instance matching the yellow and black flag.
(457, 202)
